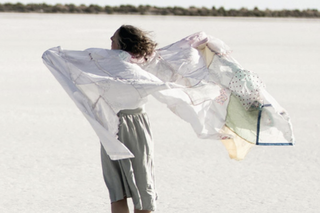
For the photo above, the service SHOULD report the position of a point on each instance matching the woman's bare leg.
(141, 211)
(120, 206)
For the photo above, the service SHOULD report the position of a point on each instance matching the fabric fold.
(195, 77)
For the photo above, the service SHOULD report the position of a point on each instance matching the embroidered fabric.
(195, 77)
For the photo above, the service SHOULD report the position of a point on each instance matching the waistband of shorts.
(131, 111)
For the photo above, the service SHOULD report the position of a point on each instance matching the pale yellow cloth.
(237, 147)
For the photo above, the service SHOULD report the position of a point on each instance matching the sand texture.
(50, 156)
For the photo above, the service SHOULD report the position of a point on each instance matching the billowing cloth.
(195, 77)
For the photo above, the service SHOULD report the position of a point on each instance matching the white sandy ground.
(49, 155)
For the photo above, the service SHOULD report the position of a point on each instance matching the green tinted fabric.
(241, 121)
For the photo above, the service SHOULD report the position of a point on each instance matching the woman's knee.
(120, 206)
(141, 211)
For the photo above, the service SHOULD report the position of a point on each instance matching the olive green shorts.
(134, 177)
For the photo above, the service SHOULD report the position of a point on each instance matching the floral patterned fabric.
(195, 77)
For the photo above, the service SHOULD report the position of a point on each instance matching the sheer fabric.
(195, 77)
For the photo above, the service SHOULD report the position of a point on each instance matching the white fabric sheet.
(195, 77)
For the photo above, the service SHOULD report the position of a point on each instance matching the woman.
(195, 77)
(132, 177)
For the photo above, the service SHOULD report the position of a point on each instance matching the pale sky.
(227, 4)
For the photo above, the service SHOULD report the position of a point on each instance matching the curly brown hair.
(135, 41)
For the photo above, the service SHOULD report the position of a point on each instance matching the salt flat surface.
(49, 155)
